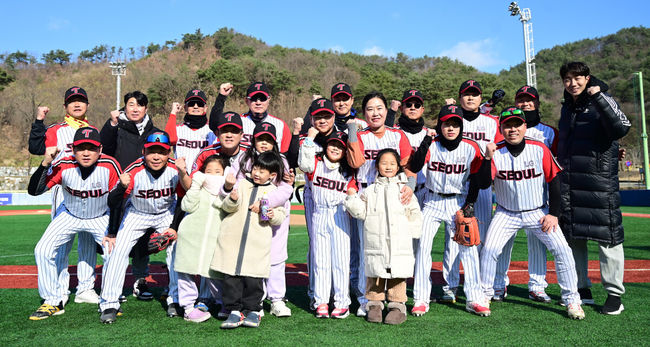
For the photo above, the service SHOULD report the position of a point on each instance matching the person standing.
(591, 123)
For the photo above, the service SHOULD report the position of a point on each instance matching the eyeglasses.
(193, 103)
(158, 137)
(257, 97)
(512, 112)
(412, 104)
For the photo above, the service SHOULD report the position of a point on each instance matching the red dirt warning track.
(25, 276)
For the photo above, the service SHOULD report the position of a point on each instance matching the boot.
(396, 313)
(375, 309)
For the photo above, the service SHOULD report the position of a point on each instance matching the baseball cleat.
(340, 313)
(173, 310)
(539, 296)
(585, 296)
(280, 309)
(419, 309)
(108, 316)
(87, 297)
(141, 290)
(500, 294)
(478, 309)
(322, 311)
(613, 305)
(46, 311)
(448, 296)
(575, 311)
(235, 319)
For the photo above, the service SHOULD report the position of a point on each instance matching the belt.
(532, 209)
(419, 186)
(443, 194)
(364, 185)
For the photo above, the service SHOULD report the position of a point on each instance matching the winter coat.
(589, 128)
(389, 227)
(197, 233)
(244, 242)
(123, 141)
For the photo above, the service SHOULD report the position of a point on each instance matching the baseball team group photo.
(253, 197)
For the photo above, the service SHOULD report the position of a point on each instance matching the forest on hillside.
(165, 71)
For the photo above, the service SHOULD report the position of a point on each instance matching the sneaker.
(196, 316)
(141, 290)
(87, 297)
(45, 311)
(340, 313)
(322, 311)
(252, 320)
(612, 305)
(449, 296)
(539, 296)
(108, 316)
(419, 309)
(361, 311)
(173, 310)
(575, 311)
(122, 298)
(235, 319)
(482, 310)
(500, 294)
(279, 309)
(585, 296)
(202, 307)
(223, 313)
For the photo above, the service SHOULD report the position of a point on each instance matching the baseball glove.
(467, 233)
(159, 242)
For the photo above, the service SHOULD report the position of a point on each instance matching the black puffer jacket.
(589, 128)
(123, 141)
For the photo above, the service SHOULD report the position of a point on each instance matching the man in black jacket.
(123, 137)
(590, 125)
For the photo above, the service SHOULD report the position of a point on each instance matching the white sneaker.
(575, 311)
(87, 297)
(361, 312)
(279, 309)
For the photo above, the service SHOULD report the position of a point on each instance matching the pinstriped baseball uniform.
(483, 130)
(519, 185)
(447, 173)
(150, 204)
(84, 209)
(61, 136)
(536, 250)
(331, 223)
(190, 141)
(415, 140)
(282, 129)
(247, 137)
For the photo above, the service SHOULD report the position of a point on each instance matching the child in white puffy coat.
(389, 230)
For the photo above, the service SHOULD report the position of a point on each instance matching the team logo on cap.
(258, 86)
(321, 102)
(471, 82)
(340, 86)
(75, 90)
(412, 92)
(265, 126)
(196, 92)
(525, 89)
(228, 116)
(452, 108)
(86, 132)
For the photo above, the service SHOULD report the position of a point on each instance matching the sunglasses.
(158, 137)
(193, 103)
(512, 112)
(412, 104)
(257, 97)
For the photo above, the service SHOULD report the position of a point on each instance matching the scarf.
(516, 150)
(532, 118)
(330, 165)
(195, 122)
(469, 115)
(257, 117)
(140, 126)
(409, 125)
(75, 123)
(450, 145)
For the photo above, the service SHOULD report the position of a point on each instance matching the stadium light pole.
(524, 18)
(118, 69)
(644, 134)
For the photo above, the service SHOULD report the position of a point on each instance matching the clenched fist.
(225, 89)
(125, 180)
(115, 115)
(176, 108)
(42, 112)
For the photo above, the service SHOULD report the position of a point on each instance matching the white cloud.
(480, 54)
(337, 48)
(57, 23)
(374, 50)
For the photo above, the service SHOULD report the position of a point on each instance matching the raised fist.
(50, 154)
(490, 148)
(181, 165)
(230, 182)
(296, 124)
(42, 112)
(432, 132)
(176, 108)
(115, 115)
(125, 179)
(312, 132)
(234, 195)
(315, 97)
(225, 89)
(289, 177)
(450, 101)
(395, 104)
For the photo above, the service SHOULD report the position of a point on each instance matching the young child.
(329, 178)
(243, 253)
(264, 140)
(388, 233)
(197, 234)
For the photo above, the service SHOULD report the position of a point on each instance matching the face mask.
(213, 183)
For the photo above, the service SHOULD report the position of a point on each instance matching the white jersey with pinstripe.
(415, 140)
(190, 142)
(248, 127)
(519, 181)
(151, 195)
(544, 133)
(370, 146)
(447, 173)
(283, 133)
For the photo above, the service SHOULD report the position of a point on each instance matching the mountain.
(166, 72)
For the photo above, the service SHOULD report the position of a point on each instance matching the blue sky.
(479, 33)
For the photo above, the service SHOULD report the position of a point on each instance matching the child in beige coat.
(389, 230)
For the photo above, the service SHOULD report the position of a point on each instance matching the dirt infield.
(25, 276)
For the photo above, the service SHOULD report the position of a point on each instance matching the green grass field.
(517, 321)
